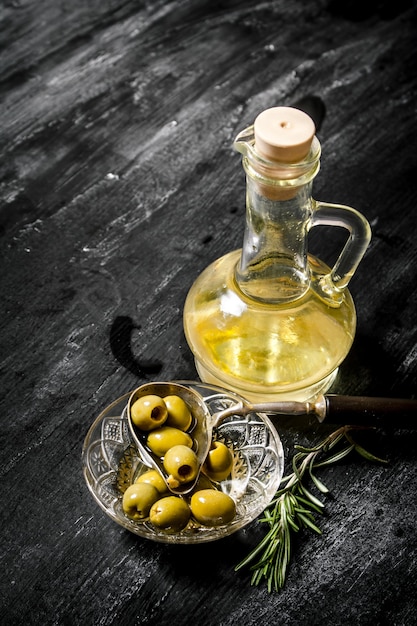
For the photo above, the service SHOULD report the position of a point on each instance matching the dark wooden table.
(119, 184)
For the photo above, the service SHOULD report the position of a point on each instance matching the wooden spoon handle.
(395, 412)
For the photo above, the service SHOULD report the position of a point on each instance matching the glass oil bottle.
(270, 321)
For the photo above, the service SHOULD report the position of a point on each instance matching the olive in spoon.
(339, 409)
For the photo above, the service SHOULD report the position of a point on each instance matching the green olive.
(149, 412)
(170, 514)
(179, 415)
(181, 463)
(219, 461)
(138, 499)
(162, 439)
(212, 508)
(152, 477)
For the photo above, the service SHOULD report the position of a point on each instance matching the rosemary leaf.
(320, 486)
(336, 457)
(307, 522)
(310, 496)
(293, 525)
(308, 503)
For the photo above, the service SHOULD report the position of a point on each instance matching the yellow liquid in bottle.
(265, 351)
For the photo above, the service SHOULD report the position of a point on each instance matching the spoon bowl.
(200, 429)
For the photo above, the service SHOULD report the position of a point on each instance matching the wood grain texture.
(118, 185)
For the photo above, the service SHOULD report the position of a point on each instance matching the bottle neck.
(273, 266)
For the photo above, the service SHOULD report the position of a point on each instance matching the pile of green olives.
(148, 498)
(166, 422)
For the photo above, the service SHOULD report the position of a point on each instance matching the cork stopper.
(283, 134)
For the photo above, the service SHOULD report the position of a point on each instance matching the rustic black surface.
(118, 186)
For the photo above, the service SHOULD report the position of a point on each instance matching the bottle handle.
(332, 285)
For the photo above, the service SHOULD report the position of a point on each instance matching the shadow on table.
(120, 340)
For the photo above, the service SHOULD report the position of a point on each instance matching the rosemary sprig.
(294, 506)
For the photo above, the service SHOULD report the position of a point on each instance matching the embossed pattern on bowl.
(111, 463)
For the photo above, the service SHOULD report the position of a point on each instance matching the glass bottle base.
(304, 394)
(265, 351)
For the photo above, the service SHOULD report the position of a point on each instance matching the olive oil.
(261, 350)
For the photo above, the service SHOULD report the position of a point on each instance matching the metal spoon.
(200, 429)
(353, 410)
